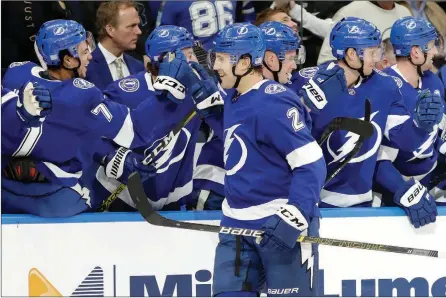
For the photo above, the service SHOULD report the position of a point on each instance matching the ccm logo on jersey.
(315, 94)
(293, 217)
(283, 291)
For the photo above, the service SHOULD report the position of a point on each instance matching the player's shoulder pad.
(308, 72)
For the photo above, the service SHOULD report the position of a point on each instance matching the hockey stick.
(151, 216)
(148, 159)
(362, 128)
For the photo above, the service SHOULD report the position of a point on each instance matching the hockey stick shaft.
(151, 216)
(154, 153)
(362, 128)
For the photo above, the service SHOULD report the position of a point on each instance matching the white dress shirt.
(110, 59)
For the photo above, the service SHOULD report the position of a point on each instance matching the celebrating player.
(274, 174)
(80, 116)
(174, 163)
(343, 89)
(414, 42)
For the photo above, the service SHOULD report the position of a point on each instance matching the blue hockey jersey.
(174, 165)
(270, 156)
(423, 160)
(352, 186)
(204, 19)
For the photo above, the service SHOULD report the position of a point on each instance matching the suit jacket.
(99, 74)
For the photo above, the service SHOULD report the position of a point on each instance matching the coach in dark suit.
(118, 31)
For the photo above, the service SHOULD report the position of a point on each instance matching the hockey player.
(342, 89)
(414, 43)
(282, 51)
(174, 164)
(281, 58)
(274, 173)
(62, 146)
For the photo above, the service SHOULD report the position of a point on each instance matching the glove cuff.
(175, 88)
(410, 194)
(115, 167)
(293, 217)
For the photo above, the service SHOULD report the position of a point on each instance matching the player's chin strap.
(275, 73)
(239, 77)
(359, 69)
(418, 66)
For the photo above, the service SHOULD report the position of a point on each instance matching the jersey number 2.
(102, 108)
(208, 18)
(293, 113)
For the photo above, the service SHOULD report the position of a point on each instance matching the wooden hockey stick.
(151, 216)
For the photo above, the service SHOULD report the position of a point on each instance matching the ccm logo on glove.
(293, 217)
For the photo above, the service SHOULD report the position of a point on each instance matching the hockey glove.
(428, 110)
(122, 162)
(205, 94)
(174, 77)
(417, 203)
(329, 81)
(283, 228)
(34, 103)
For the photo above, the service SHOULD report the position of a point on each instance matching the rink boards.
(121, 255)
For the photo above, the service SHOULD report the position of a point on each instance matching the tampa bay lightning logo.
(231, 166)
(242, 30)
(129, 85)
(14, 64)
(82, 84)
(411, 25)
(398, 81)
(274, 89)
(59, 31)
(270, 31)
(349, 141)
(354, 30)
(163, 33)
(308, 72)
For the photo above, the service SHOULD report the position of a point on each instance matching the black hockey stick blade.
(138, 196)
(357, 126)
(365, 133)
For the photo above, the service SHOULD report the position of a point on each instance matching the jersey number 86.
(208, 18)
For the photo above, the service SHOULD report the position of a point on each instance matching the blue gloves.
(122, 162)
(174, 77)
(417, 203)
(283, 228)
(205, 93)
(428, 110)
(327, 81)
(34, 103)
